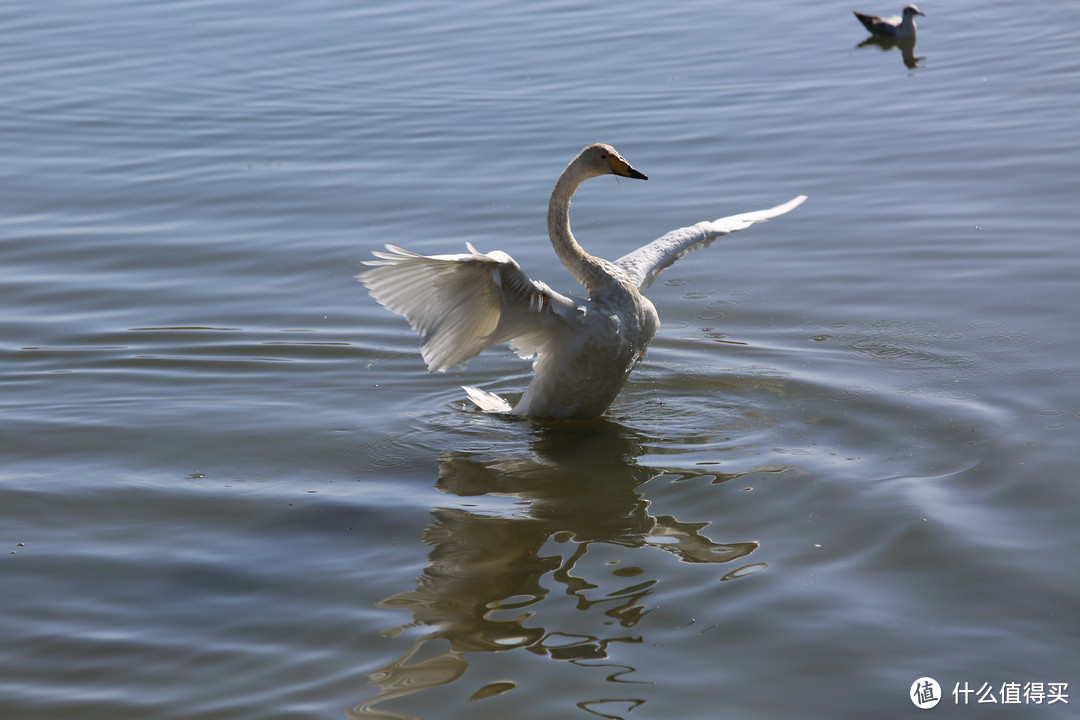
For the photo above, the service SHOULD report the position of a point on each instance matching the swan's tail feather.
(488, 402)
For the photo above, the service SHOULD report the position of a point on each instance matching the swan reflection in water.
(490, 570)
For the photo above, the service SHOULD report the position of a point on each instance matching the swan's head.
(600, 159)
(911, 10)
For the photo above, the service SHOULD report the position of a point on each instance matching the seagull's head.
(601, 159)
(910, 10)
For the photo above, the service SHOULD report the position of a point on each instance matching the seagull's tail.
(488, 402)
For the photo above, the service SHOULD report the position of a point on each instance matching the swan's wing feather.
(645, 263)
(461, 304)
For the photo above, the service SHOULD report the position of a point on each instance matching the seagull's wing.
(883, 26)
(644, 264)
(869, 21)
(461, 304)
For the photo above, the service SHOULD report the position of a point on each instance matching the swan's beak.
(624, 169)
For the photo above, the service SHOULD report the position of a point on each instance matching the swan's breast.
(581, 378)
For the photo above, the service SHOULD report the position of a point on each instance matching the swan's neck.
(588, 269)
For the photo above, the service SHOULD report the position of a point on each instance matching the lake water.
(230, 489)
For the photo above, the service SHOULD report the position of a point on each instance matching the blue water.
(230, 489)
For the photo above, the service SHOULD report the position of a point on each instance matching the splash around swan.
(583, 349)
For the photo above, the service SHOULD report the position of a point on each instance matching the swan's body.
(894, 27)
(584, 349)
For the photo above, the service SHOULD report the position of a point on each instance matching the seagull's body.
(894, 27)
(584, 349)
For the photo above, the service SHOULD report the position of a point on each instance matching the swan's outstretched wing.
(644, 264)
(461, 304)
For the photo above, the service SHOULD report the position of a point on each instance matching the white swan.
(584, 349)
(894, 27)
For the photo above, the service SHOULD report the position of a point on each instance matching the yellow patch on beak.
(624, 169)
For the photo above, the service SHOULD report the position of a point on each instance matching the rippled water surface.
(230, 490)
